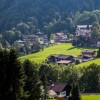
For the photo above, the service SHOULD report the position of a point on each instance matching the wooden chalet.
(62, 58)
(59, 91)
(83, 30)
(21, 42)
(60, 37)
(88, 55)
(88, 52)
(42, 38)
(94, 42)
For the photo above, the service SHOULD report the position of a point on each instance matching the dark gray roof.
(58, 87)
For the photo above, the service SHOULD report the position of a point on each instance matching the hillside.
(96, 61)
(43, 11)
(58, 49)
(91, 97)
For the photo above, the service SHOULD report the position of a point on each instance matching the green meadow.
(96, 61)
(65, 48)
(88, 97)
(91, 97)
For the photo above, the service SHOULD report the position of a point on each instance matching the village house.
(59, 91)
(83, 30)
(88, 55)
(60, 37)
(42, 39)
(31, 38)
(21, 42)
(62, 59)
(95, 42)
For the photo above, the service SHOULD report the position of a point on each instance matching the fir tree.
(33, 84)
(15, 77)
(12, 77)
(75, 92)
(1, 46)
(44, 83)
(4, 58)
(98, 53)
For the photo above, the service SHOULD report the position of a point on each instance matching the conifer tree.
(44, 84)
(12, 77)
(98, 53)
(75, 92)
(15, 77)
(1, 46)
(4, 58)
(32, 84)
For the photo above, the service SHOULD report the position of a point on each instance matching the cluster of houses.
(85, 31)
(62, 59)
(60, 37)
(43, 38)
(86, 55)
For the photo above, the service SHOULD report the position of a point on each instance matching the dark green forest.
(24, 17)
(27, 80)
(44, 13)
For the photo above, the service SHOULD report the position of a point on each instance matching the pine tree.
(17, 46)
(75, 92)
(27, 46)
(44, 83)
(33, 84)
(98, 53)
(1, 46)
(15, 77)
(4, 58)
(12, 77)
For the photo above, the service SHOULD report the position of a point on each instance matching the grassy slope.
(88, 97)
(96, 61)
(58, 49)
(91, 97)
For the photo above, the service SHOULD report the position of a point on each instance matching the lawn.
(65, 48)
(96, 61)
(88, 97)
(91, 97)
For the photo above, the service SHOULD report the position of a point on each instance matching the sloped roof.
(88, 51)
(61, 56)
(58, 87)
(64, 62)
(59, 34)
(83, 26)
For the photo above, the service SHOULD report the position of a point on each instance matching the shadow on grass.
(71, 48)
(86, 47)
(82, 48)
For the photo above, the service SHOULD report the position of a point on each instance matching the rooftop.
(59, 34)
(83, 26)
(64, 62)
(58, 87)
(88, 51)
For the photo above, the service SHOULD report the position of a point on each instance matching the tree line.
(27, 17)
(27, 80)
